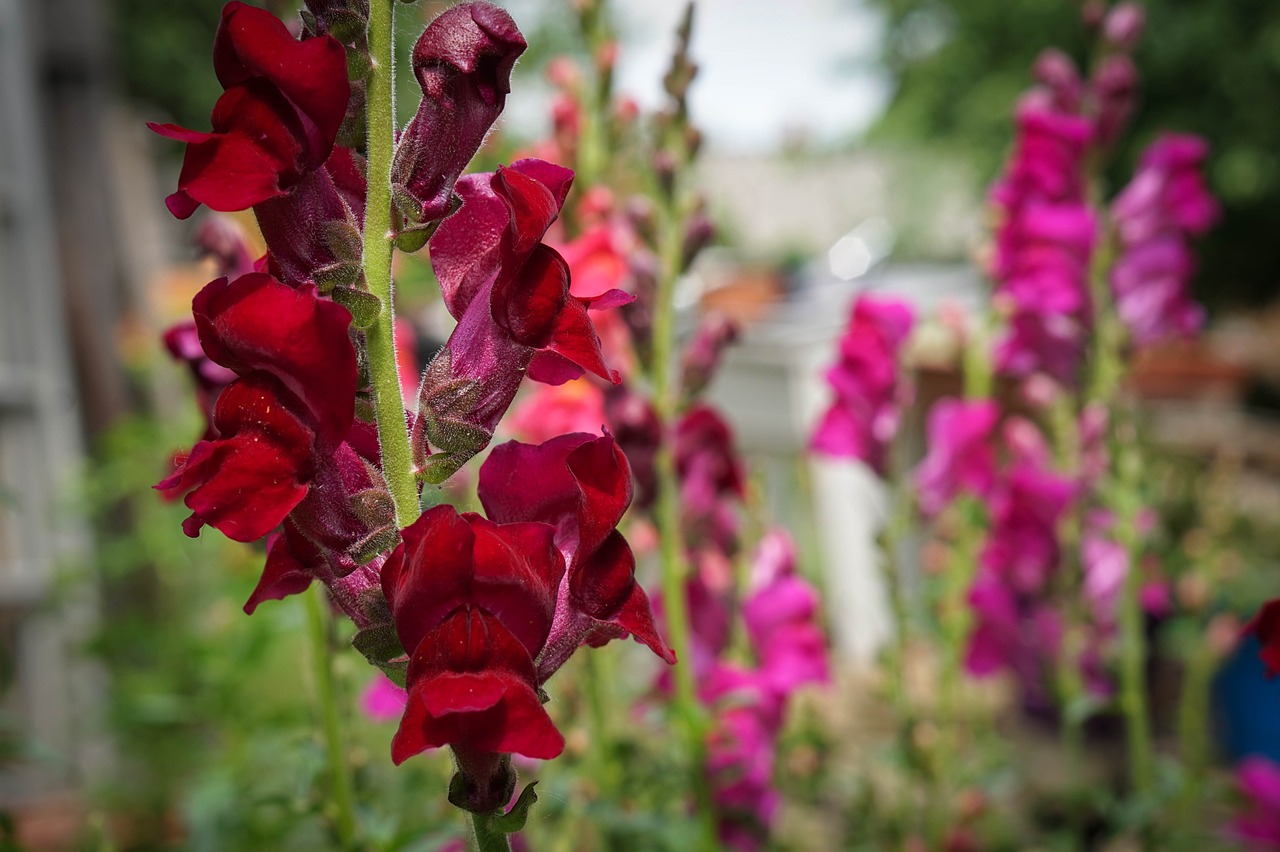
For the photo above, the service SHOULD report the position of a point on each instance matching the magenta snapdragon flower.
(1156, 215)
(869, 394)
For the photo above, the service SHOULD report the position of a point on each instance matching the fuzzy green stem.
(488, 837)
(393, 436)
(344, 811)
(1133, 679)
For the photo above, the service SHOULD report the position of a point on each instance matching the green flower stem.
(344, 810)
(667, 517)
(1133, 676)
(393, 437)
(489, 838)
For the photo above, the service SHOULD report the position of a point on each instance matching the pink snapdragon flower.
(1156, 215)
(863, 418)
(961, 456)
(1257, 826)
(1045, 239)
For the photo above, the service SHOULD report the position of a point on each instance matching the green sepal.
(343, 273)
(514, 820)
(380, 644)
(343, 239)
(364, 306)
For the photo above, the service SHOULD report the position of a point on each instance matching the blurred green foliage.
(212, 713)
(1207, 67)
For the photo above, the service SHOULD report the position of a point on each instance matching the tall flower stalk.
(470, 613)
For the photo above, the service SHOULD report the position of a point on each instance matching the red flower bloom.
(473, 603)
(284, 101)
(290, 409)
(1266, 624)
(510, 295)
(583, 487)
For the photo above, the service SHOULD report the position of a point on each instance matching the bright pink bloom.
(276, 121)
(868, 394)
(1044, 242)
(382, 700)
(510, 295)
(961, 456)
(1258, 823)
(1156, 215)
(781, 614)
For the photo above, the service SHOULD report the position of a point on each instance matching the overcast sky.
(768, 68)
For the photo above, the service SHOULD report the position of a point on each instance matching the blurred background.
(848, 148)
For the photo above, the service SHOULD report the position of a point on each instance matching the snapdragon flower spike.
(711, 480)
(283, 103)
(473, 603)
(864, 416)
(463, 63)
(1045, 241)
(1156, 215)
(961, 456)
(583, 488)
(510, 295)
(288, 411)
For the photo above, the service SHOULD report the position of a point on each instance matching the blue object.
(1246, 706)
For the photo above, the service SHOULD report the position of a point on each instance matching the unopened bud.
(1124, 25)
(1058, 73)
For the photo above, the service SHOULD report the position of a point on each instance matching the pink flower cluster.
(1050, 228)
(1155, 216)
(869, 395)
(749, 702)
(1045, 240)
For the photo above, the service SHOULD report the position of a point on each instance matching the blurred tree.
(159, 56)
(1207, 67)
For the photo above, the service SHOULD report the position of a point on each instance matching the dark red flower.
(290, 409)
(463, 62)
(341, 528)
(1266, 624)
(510, 295)
(276, 121)
(580, 485)
(473, 603)
(471, 686)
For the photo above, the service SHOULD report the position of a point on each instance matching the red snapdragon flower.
(473, 603)
(583, 489)
(510, 294)
(288, 411)
(276, 121)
